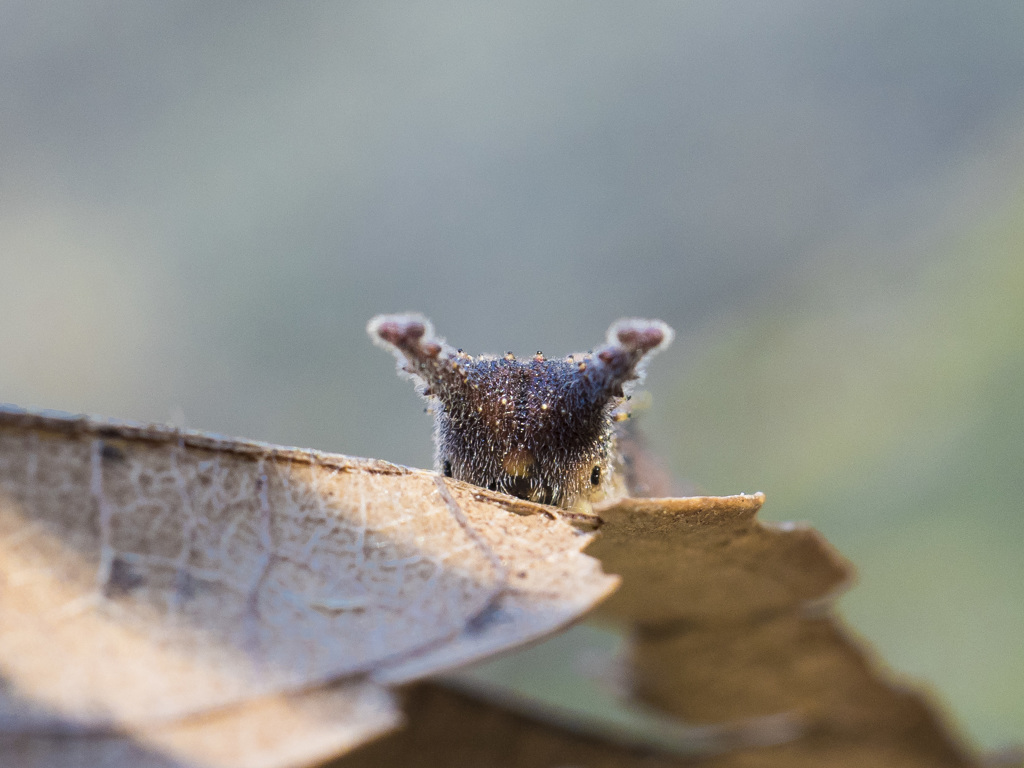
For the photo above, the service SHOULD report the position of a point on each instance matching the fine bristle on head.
(540, 429)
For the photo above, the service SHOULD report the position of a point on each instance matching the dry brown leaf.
(179, 597)
(149, 575)
(447, 729)
(732, 620)
(708, 559)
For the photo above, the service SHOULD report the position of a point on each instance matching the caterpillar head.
(536, 428)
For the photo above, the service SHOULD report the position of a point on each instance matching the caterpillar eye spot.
(531, 427)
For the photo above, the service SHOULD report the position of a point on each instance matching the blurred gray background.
(201, 205)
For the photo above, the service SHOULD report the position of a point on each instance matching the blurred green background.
(203, 204)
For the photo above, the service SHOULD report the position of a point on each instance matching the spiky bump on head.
(536, 428)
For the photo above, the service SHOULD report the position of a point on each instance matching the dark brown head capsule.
(536, 428)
